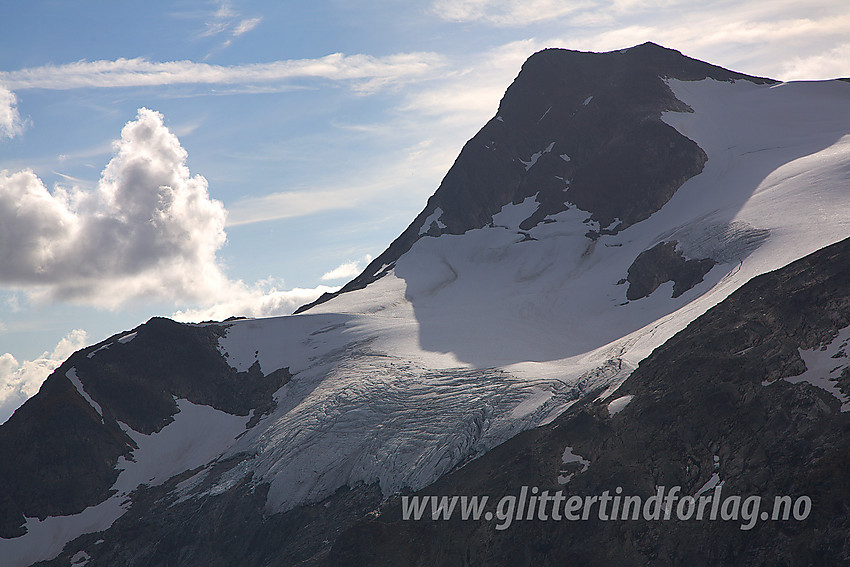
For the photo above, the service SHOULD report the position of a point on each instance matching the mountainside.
(589, 124)
(753, 397)
(613, 200)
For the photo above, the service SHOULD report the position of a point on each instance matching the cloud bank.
(20, 381)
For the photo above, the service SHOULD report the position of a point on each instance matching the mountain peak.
(574, 129)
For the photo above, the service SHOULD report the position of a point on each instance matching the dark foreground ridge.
(65, 452)
(716, 389)
(576, 129)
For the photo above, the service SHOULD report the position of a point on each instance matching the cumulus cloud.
(347, 270)
(149, 229)
(20, 381)
(10, 120)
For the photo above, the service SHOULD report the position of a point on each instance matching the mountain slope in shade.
(752, 396)
(613, 200)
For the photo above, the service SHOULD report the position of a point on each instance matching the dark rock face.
(138, 381)
(64, 451)
(710, 400)
(574, 129)
(57, 456)
(220, 530)
(663, 263)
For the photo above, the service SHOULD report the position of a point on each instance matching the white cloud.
(365, 71)
(392, 174)
(834, 62)
(473, 91)
(20, 381)
(226, 20)
(263, 299)
(718, 30)
(505, 12)
(245, 26)
(288, 204)
(219, 21)
(347, 270)
(149, 229)
(10, 120)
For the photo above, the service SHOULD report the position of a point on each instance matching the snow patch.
(383, 268)
(510, 216)
(72, 376)
(91, 354)
(616, 406)
(432, 218)
(80, 558)
(709, 484)
(536, 156)
(45, 539)
(570, 457)
(825, 364)
(127, 338)
(197, 435)
(537, 398)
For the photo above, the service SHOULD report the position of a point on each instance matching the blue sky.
(295, 139)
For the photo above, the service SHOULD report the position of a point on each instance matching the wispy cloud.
(393, 174)
(225, 20)
(367, 72)
(505, 12)
(289, 204)
(245, 26)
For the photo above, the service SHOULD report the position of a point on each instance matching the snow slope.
(471, 338)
